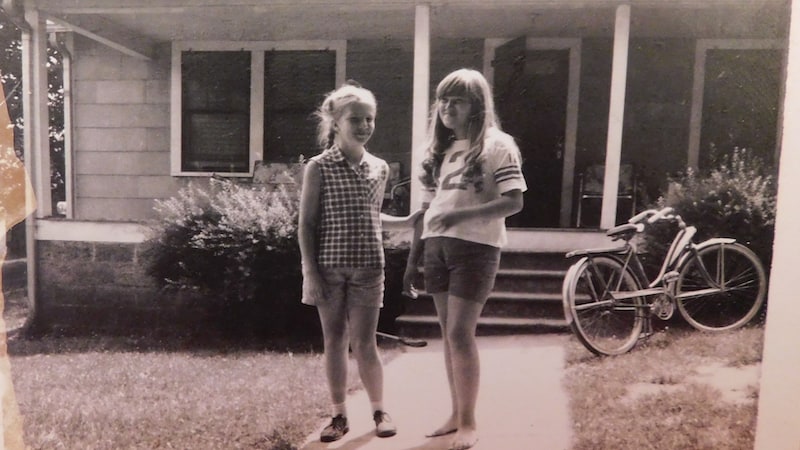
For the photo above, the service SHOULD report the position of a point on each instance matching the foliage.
(11, 79)
(736, 198)
(235, 244)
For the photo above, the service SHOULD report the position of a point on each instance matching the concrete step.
(428, 326)
(501, 304)
(529, 280)
(532, 261)
(519, 279)
(526, 299)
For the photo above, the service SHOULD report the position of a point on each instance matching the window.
(295, 82)
(237, 103)
(215, 94)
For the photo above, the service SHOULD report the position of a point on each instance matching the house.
(162, 92)
(159, 93)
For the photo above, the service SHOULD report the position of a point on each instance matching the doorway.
(532, 88)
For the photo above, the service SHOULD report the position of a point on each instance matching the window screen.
(216, 112)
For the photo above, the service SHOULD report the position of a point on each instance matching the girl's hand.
(444, 220)
(408, 282)
(416, 215)
(313, 287)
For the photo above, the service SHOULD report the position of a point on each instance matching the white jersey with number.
(501, 172)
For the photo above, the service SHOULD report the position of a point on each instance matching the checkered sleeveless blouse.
(350, 233)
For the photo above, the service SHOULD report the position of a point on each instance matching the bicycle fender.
(702, 245)
(565, 285)
(596, 251)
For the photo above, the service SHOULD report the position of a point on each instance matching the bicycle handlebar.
(664, 213)
(654, 215)
(639, 217)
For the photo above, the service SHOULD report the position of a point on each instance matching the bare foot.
(449, 427)
(464, 439)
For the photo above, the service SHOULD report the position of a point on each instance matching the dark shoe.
(383, 425)
(337, 428)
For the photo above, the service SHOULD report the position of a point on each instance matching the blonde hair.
(473, 86)
(333, 106)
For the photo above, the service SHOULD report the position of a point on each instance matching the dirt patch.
(735, 384)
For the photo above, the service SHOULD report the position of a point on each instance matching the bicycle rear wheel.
(604, 324)
(739, 292)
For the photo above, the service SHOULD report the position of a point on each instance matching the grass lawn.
(680, 389)
(138, 393)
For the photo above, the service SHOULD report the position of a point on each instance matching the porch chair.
(590, 186)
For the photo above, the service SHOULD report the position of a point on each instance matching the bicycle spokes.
(721, 287)
(606, 325)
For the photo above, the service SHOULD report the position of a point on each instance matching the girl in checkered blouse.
(472, 181)
(341, 244)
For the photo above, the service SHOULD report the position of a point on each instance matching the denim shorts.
(350, 286)
(462, 268)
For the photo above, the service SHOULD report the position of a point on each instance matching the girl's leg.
(451, 424)
(333, 318)
(462, 321)
(363, 323)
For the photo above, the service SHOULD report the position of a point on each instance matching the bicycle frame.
(681, 250)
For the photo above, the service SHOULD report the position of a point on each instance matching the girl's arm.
(309, 219)
(400, 222)
(414, 255)
(509, 203)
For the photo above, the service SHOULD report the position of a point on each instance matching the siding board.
(127, 186)
(121, 116)
(103, 209)
(122, 163)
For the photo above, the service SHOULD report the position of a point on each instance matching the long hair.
(334, 104)
(473, 86)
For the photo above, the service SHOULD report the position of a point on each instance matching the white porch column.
(36, 139)
(619, 70)
(37, 121)
(421, 101)
(67, 51)
(779, 395)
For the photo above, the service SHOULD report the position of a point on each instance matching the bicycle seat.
(625, 231)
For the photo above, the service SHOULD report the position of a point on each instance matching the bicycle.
(609, 301)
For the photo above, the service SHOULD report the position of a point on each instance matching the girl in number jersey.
(472, 181)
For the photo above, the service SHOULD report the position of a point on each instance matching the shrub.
(736, 198)
(234, 244)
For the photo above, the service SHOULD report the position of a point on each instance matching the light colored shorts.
(351, 286)
(462, 268)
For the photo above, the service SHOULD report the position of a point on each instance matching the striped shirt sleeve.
(508, 172)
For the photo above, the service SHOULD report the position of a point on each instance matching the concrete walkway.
(522, 404)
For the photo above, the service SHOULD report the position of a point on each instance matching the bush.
(736, 198)
(236, 245)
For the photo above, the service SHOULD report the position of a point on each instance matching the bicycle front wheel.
(731, 293)
(604, 316)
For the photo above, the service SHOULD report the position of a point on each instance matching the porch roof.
(149, 22)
